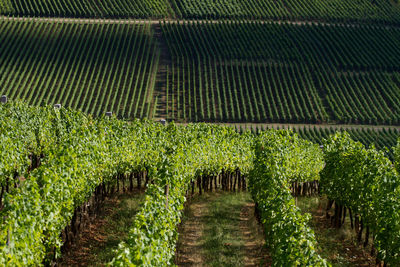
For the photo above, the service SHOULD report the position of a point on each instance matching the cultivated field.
(94, 67)
(364, 11)
(235, 71)
(246, 71)
(279, 144)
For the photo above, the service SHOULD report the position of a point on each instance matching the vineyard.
(209, 72)
(380, 138)
(66, 63)
(221, 70)
(84, 9)
(365, 11)
(200, 133)
(51, 164)
(332, 10)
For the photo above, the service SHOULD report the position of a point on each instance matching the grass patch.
(97, 243)
(222, 242)
(117, 226)
(220, 229)
(338, 246)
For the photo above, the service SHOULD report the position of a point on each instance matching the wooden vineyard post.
(131, 182)
(166, 194)
(8, 234)
(139, 176)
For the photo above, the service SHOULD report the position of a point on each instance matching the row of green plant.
(26, 135)
(332, 10)
(230, 9)
(269, 72)
(236, 71)
(88, 9)
(232, 90)
(282, 158)
(384, 139)
(93, 67)
(397, 156)
(366, 11)
(332, 46)
(369, 98)
(194, 151)
(81, 154)
(385, 12)
(278, 93)
(366, 182)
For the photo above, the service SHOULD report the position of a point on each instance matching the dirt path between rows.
(220, 229)
(253, 237)
(338, 246)
(191, 229)
(97, 242)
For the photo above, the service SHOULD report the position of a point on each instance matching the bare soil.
(190, 232)
(253, 236)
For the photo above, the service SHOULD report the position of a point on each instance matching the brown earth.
(190, 231)
(253, 237)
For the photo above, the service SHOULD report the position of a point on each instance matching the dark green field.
(223, 71)
(93, 67)
(270, 72)
(365, 11)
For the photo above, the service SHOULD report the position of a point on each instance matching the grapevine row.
(281, 158)
(269, 72)
(383, 139)
(209, 151)
(88, 156)
(364, 182)
(20, 126)
(83, 9)
(365, 11)
(331, 10)
(85, 157)
(93, 67)
(341, 47)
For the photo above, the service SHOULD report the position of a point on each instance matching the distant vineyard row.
(235, 71)
(381, 138)
(96, 67)
(215, 72)
(87, 8)
(332, 10)
(338, 10)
